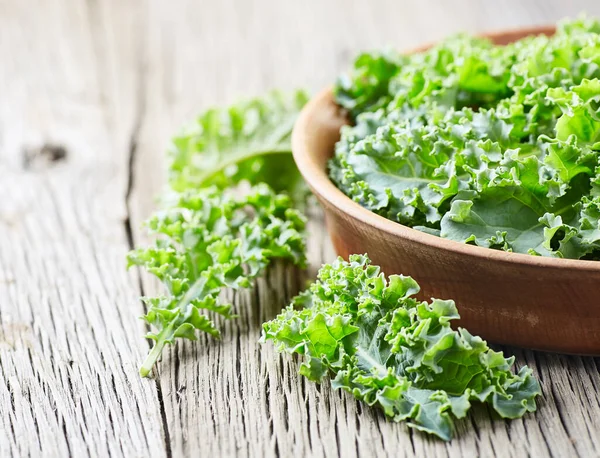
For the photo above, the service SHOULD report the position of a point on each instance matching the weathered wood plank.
(69, 334)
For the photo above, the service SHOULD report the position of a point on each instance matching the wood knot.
(43, 156)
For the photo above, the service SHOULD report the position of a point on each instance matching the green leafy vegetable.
(214, 234)
(389, 349)
(496, 146)
(246, 142)
(210, 241)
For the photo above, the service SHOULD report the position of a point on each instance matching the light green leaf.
(210, 240)
(249, 141)
(390, 350)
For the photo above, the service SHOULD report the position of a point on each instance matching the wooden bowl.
(510, 298)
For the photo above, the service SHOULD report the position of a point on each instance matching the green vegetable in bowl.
(496, 146)
(391, 350)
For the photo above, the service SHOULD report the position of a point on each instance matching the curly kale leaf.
(498, 146)
(210, 237)
(249, 142)
(209, 241)
(379, 343)
(367, 87)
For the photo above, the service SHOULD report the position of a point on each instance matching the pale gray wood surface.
(90, 92)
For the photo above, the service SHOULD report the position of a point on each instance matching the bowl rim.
(318, 180)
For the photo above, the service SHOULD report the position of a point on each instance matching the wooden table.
(90, 92)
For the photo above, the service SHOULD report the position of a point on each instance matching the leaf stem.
(166, 334)
(156, 351)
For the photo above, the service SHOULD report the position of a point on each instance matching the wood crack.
(140, 104)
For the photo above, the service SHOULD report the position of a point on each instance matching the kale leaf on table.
(391, 350)
(212, 236)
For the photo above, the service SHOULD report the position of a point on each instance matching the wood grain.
(69, 333)
(91, 92)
